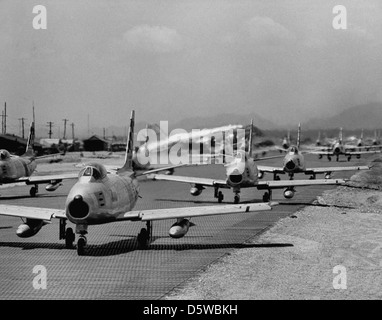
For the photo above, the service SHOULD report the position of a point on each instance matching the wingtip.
(273, 203)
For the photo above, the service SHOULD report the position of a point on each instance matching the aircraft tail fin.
(128, 165)
(340, 135)
(298, 135)
(29, 151)
(250, 139)
(361, 134)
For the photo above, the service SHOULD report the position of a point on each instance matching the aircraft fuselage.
(93, 201)
(294, 163)
(16, 167)
(242, 171)
(338, 148)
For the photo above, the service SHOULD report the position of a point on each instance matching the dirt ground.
(330, 250)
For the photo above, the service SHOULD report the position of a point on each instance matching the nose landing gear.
(82, 230)
(81, 243)
(67, 234)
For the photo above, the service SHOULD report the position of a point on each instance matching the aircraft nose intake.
(290, 165)
(78, 208)
(235, 178)
(337, 150)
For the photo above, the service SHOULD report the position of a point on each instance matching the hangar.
(96, 143)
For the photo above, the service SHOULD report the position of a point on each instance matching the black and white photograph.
(200, 153)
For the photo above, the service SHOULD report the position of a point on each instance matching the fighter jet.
(99, 198)
(19, 169)
(373, 143)
(294, 162)
(339, 148)
(286, 141)
(242, 172)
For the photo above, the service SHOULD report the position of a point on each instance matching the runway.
(114, 268)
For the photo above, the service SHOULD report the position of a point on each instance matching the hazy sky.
(175, 59)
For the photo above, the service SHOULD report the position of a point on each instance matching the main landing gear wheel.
(266, 197)
(69, 238)
(220, 197)
(81, 243)
(33, 191)
(144, 237)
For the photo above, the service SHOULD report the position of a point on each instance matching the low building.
(96, 143)
(17, 145)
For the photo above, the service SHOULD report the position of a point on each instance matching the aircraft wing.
(47, 179)
(187, 212)
(114, 169)
(279, 184)
(281, 149)
(354, 153)
(142, 215)
(334, 169)
(31, 212)
(193, 180)
(360, 148)
(270, 169)
(322, 152)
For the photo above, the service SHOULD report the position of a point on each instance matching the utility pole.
(50, 124)
(34, 119)
(22, 126)
(72, 125)
(65, 120)
(4, 119)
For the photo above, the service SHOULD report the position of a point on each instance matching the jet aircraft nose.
(78, 208)
(235, 177)
(290, 165)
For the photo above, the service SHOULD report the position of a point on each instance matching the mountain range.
(367, 117)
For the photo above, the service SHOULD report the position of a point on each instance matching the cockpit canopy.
(95, 170)
(240, 156)
(4, 154)
(293, 150)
